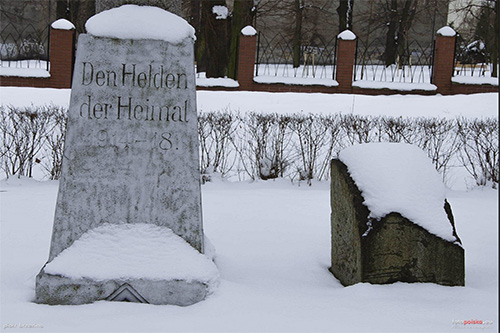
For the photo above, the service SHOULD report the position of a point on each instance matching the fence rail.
(26, 47)
(24, 34)
(275, 57)
(412, 65)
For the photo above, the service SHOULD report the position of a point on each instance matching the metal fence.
(412, 65)
(275, 55)
(24, 35)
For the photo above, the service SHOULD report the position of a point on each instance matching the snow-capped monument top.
(140, 22)
(395, 177)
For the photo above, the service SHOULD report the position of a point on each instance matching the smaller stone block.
(388, 249)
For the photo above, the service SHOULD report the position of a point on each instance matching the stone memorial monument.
(128, 221)
(390, 220)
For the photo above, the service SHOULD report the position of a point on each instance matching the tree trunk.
(213, 49)
(242, 16)
(406, 21)
(297, 36)
(494, 51)
(391, 37)
(344, 10)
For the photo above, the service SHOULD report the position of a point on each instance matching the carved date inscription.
(155, 140)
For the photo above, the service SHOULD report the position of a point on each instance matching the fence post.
(61, 48)
(444, 57)
(246, 57)
(346, 52)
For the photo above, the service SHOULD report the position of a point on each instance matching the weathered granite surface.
(131, 148)
(56, 289)
(394, 249)
(130, 156)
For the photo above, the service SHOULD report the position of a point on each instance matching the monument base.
(128, 262)
(57, 289)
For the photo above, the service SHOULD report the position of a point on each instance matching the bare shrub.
(311, 134)
(23, 132)
(215, 130)
(358, 129)
(269, 140)
(479, 150)
(439, 138)
(333, 143)
(397, 129)
(54, 142)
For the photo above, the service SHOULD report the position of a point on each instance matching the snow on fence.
(254, 145)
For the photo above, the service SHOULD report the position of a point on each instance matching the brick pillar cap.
(446, 31)
(248, 31)
(62, 24)
(347, 35)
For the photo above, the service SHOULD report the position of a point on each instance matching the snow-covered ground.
(471, 106)
(273, 245)
(273, 254)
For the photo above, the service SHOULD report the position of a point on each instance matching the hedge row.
(265, 146)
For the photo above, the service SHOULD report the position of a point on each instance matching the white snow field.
(470, 106)
(273, 245)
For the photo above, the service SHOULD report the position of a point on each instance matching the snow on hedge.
(396, 177)
(139, 22)
(137, 251)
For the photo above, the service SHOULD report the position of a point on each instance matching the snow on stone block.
(140, 22)
(390, 218)
(248, 31)
(396, 177)
(446, 31)
(347, 35)
(62, 24)
(132, 251)
(106, 258)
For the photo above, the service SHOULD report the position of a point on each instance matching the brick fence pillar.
(246, 57)
(346, 52)
(444, 56)
(62, 35)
